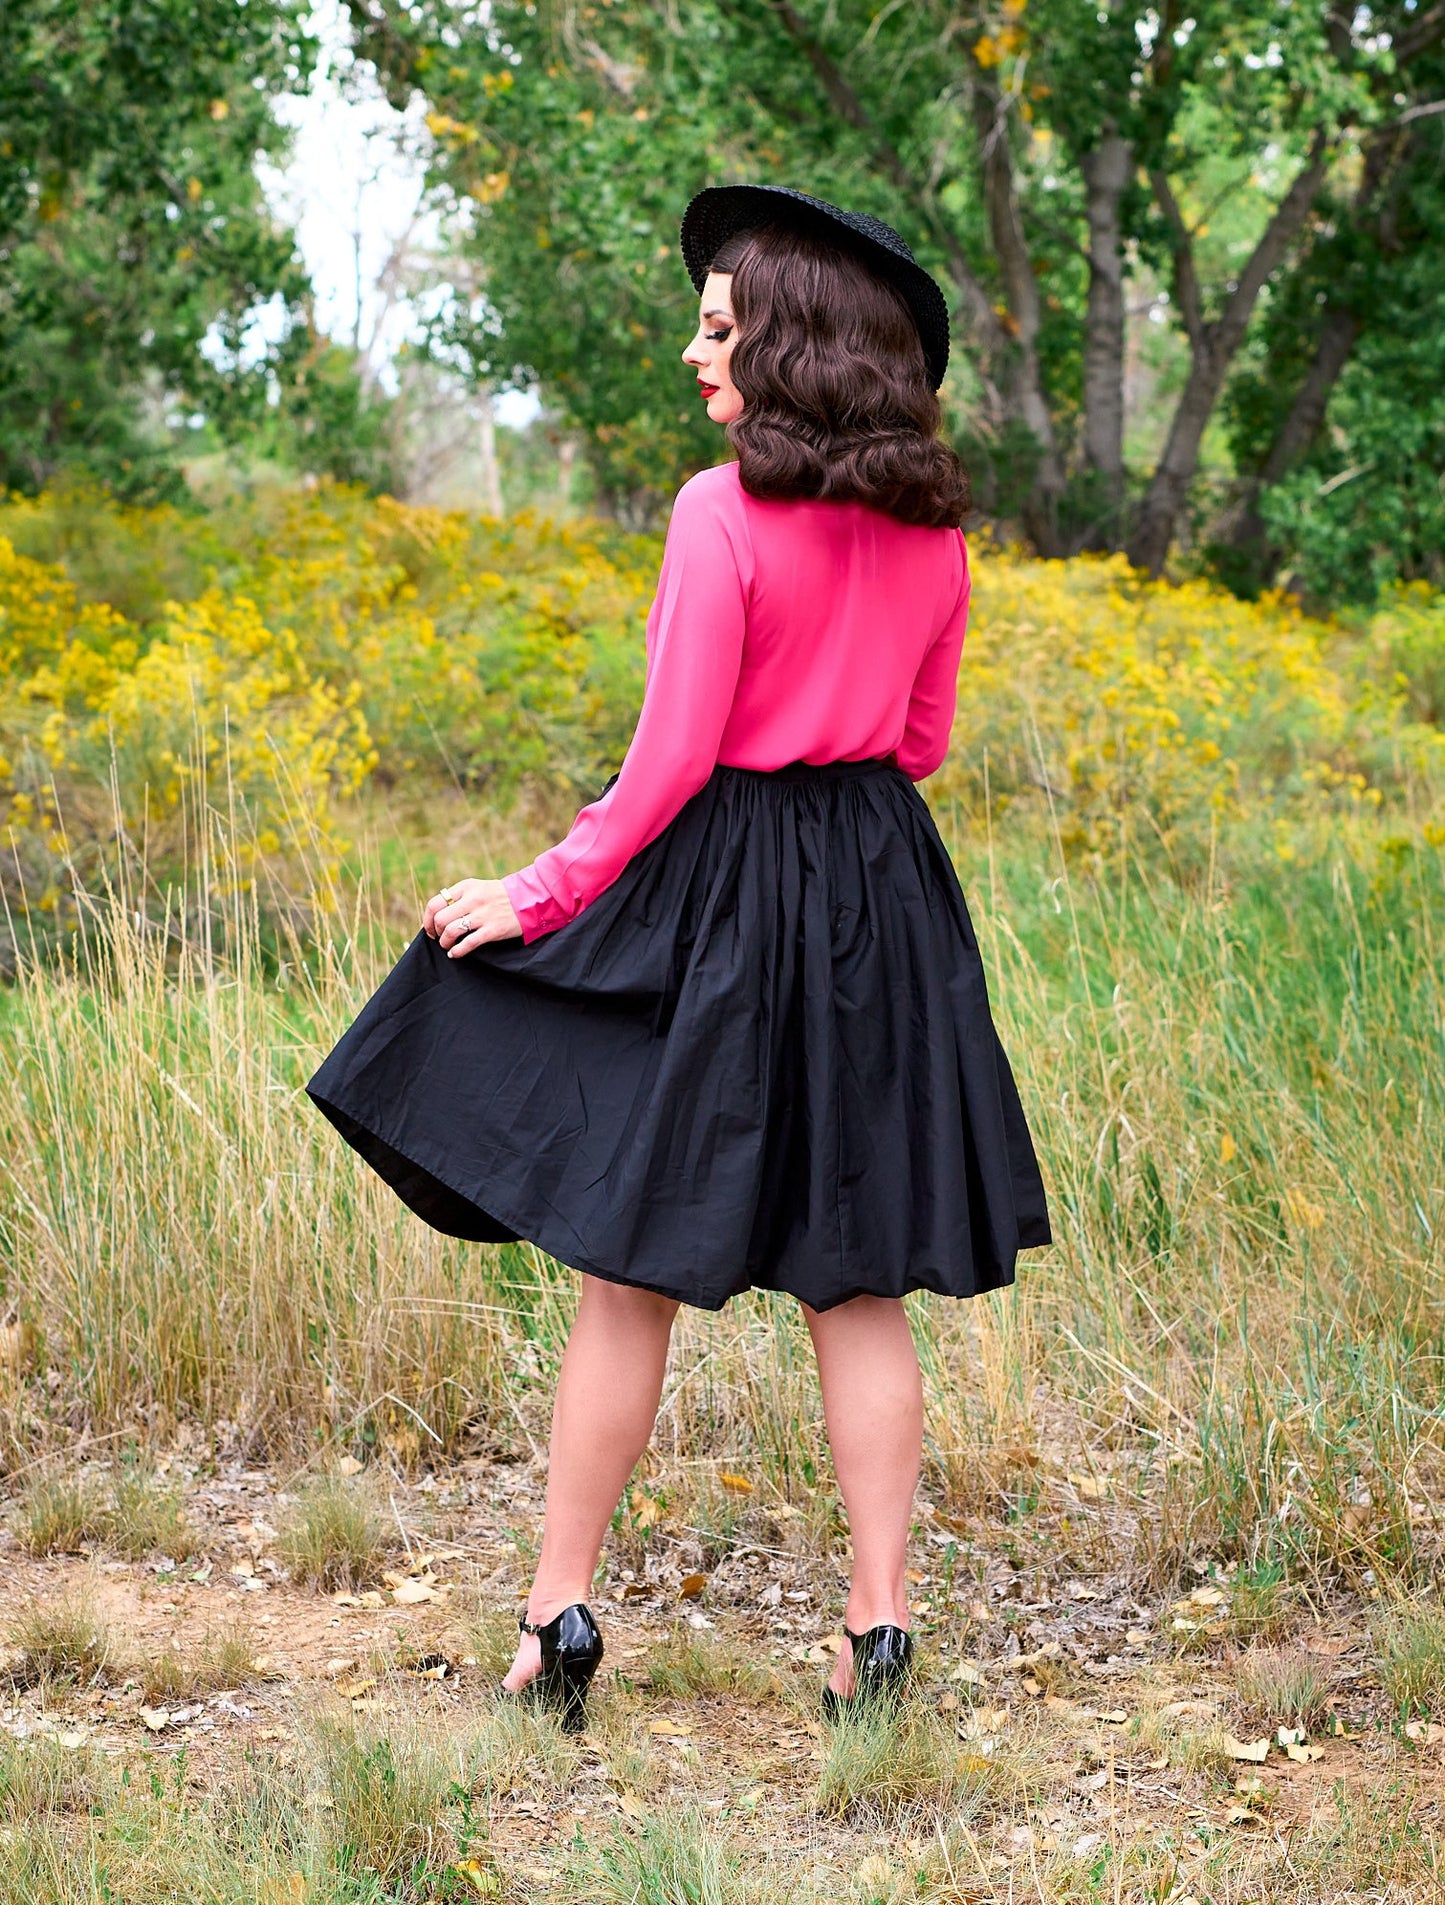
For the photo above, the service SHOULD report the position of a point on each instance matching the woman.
(733, 1031)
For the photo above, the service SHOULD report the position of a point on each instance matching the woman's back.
(780, 632)
(843, 605)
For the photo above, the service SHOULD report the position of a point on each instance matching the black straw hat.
(722, 210)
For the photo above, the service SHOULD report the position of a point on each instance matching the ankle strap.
(531, 1627)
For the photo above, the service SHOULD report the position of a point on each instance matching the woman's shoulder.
(709, 507)
(714, 489)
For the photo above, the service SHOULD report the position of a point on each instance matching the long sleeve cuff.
(537, 908)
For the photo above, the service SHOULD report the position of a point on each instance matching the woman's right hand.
(470, 914)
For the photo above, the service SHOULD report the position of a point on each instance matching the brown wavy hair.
(837, 404)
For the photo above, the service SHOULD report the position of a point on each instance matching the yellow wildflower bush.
(1170, 712)
(274, 655)
(314, 641)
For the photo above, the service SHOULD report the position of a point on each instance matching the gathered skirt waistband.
(813, 770)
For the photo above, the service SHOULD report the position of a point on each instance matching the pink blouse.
(780, 632)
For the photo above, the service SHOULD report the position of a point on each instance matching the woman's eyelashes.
(718, 337)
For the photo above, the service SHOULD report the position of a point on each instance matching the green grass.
(1410, 1643)
(59, 1640)
(333, 1536)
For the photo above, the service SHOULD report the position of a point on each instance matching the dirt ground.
(1135, 1765)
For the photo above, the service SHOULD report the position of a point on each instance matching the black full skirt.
(763, 1058)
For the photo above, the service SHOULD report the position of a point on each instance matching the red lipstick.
(708, 390)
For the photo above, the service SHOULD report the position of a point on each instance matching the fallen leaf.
(948, 1703)
(1207, 1596)
(667, 1729)
(346, 1600)
(1242, 1816)
(1191, 1709)
(72, 1739)
(1424, 1732)
(1304, 1755)
(288, 1891)
(354, 1689)
(348, 1465)
(1331, 1646)
(1090, 1488)
(969, 1672)
(337, 1666)
(1033, 1688)
(412, 1593)
(738, 1484)
(644, 1509)
(1116, 1716)
(1255, 1750)
(692, 1586)
(984, 1720)
(432, 1667)
(156, 1719)
(482, 1879)
(1291, 1736)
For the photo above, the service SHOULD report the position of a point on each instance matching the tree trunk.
(1298, 431)
(1372, 213)
(1213, 348)
(1107, 169)
(1022, 374)
(490, 471)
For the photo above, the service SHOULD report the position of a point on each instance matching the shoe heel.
(882, 1666)
(565, 1690)
(571, 1648)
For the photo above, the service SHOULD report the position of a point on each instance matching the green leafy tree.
(1035, 152)
(132, 226)
(1336, 423)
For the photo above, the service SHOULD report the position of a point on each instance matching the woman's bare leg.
(873, 1406)
(607, 1395)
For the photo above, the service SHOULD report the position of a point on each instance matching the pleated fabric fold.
(764, 1057)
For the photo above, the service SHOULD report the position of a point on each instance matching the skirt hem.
(374, 1149)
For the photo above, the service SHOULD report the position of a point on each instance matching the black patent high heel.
(882, 1660)
(571, 1649)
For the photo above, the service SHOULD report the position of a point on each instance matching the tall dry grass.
(1233, 1348)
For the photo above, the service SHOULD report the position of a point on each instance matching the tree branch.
(1289, 215)
(851, 109)
(1186, 278)
(1423, 34)
(1212, 354)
